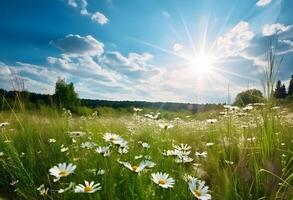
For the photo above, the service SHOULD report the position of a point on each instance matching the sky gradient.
(166, 50)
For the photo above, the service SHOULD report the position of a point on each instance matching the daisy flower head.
(134, 168)
(165, 126)
(43, 190)
(62, 170)
(88, 187)
(105, 151)
(198, 189)
(163, 180)
(112, 138)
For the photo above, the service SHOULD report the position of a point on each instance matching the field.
(240, 153)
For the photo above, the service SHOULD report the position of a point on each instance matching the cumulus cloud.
(177, 47)
(272, 29)
(82, 5)
(100, 18)
(262, 3)
(235, 40)
(76, 45)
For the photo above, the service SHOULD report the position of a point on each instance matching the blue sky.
(167, 50)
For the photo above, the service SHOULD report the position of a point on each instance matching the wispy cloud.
(166, 14)
(272, 29)
(262, 3)
(177, 47)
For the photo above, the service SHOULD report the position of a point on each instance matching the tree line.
(281, 92)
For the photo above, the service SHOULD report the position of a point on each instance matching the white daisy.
(43, 190)
(198, 189)
(211, 121)
(51, 140)
(134, 168)
(163, 180)
(165, 126)
(203, 154)
(89, 187)
(149, 164)
(4, 124)
(62, 170)
(105, 151)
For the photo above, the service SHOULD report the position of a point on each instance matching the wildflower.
(137, 109)
(229, 162)
(247, 108)
(138, 157)
(144, 144)
(203, 154)
(182, 147)
(75, 134)
(105, 151)
(4, 124)
(163, 180)
(211, 121)
(183, 159)
(134, 168)
(89, 187)
(51, 140)
(198, 189)
(62, 170)
(14, 182)
(165, 126)
(63, 148)
(149, 164)
(87, 145)
(43, 191)
(100, 172)
(112, 138)
(209, 144)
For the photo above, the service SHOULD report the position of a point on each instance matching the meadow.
(235, 153)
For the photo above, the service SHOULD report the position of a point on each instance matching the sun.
(202, 64)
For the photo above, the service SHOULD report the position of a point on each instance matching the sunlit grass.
(241, 155)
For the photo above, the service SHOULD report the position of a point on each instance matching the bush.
(249, 96)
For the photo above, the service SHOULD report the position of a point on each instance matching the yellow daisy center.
(197, 192)
(162, 181)
(88, 189)
(63, 173)
(134, 167)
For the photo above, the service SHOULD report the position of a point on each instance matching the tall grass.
(251, 157)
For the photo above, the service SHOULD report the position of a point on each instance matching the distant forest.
(36, 100)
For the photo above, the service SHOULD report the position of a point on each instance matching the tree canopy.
(65, 96)
(249, 96)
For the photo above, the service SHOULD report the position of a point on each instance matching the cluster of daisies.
(115, 141)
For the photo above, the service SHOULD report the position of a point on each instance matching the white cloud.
(77, 45)
(271, 29)
(166, 14)
(78, 3)
(262, 3)
(100, 18)
(235, 40)
(82, 5)
(177, 47)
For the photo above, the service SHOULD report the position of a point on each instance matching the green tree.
(277, 93)
(65, 95)
(290, 88)
(249, 96)
(280, 91)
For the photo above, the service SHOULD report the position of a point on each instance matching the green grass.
(262, 168)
